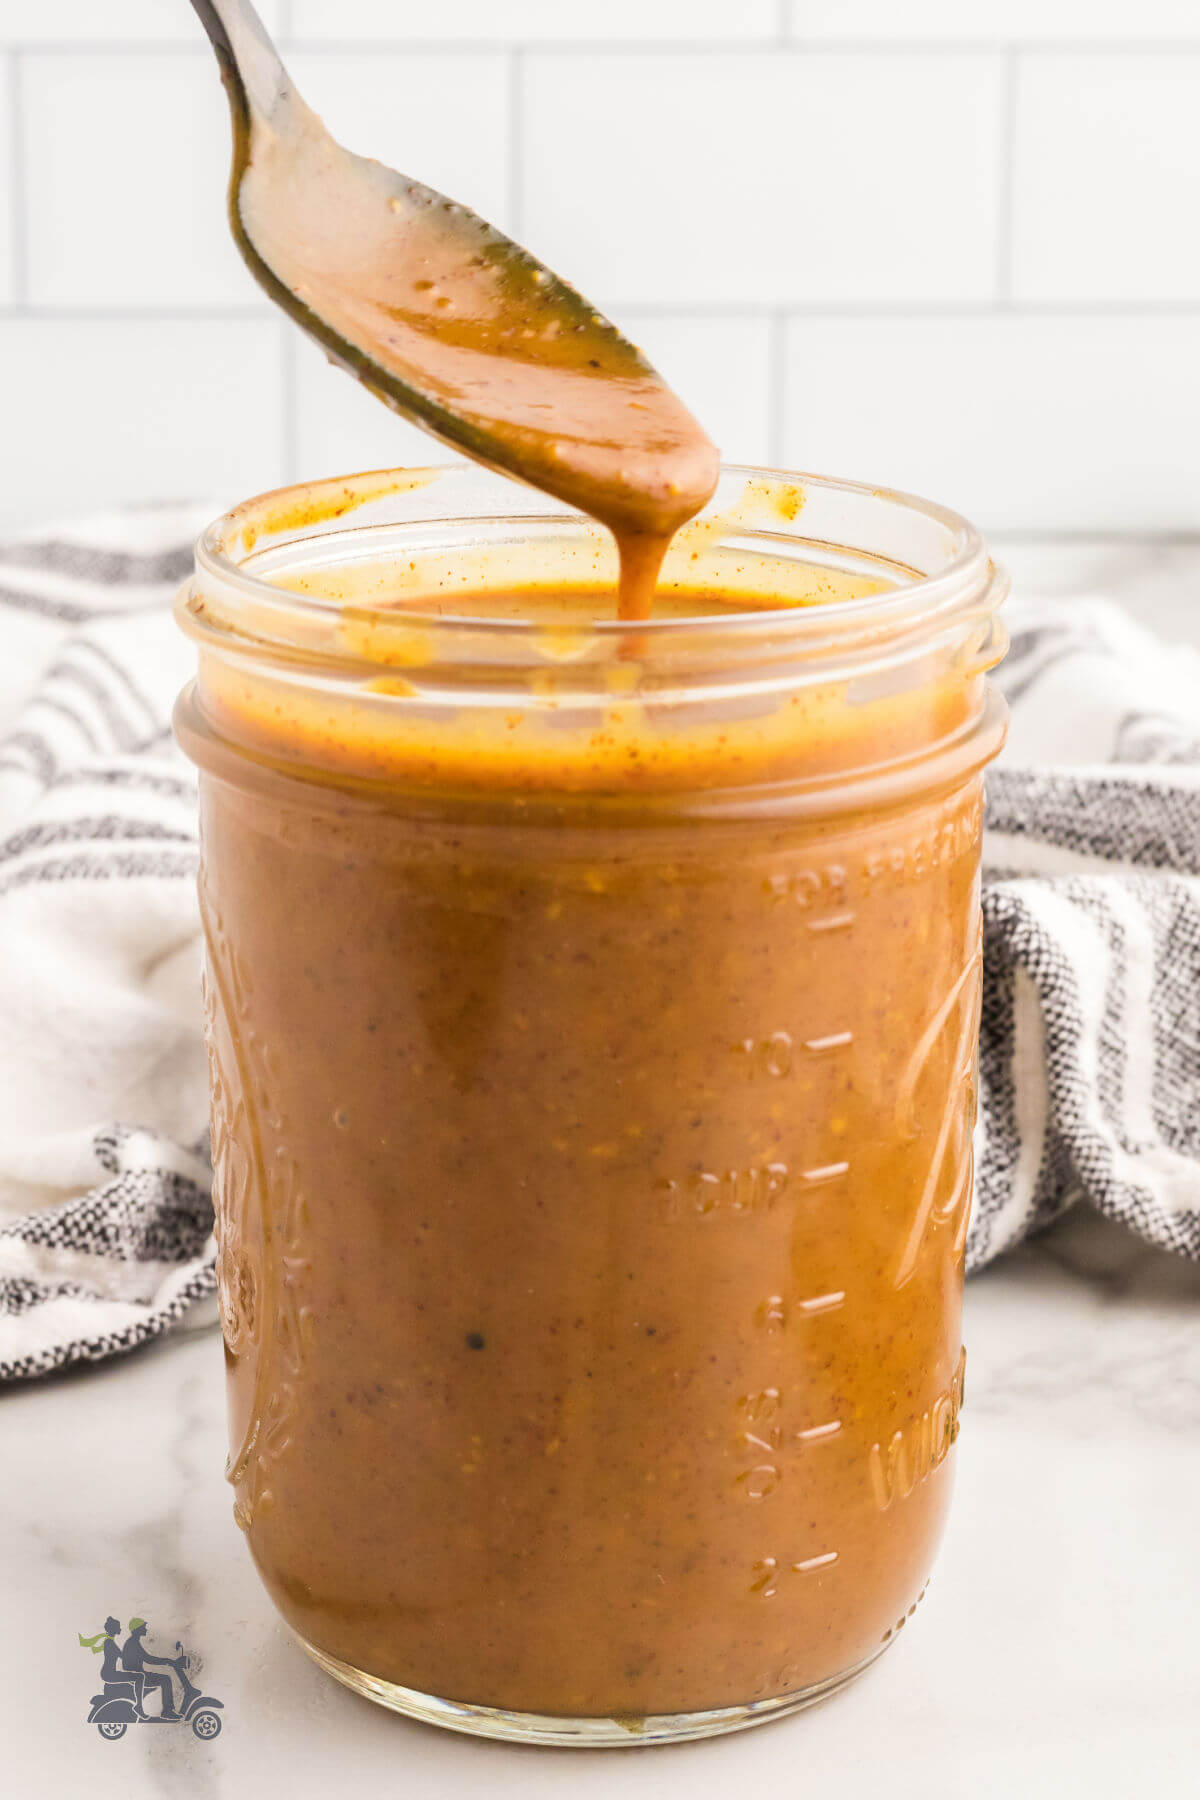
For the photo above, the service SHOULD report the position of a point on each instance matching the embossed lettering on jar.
(592, 1015)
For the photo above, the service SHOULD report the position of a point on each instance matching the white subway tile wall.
(1050, 423)
(806, 178)
(994, 21)
(124, 205)
(108, 410)
(8, 171)
(1088, 223)
(535, 21)
(940, 245)
(110, 21)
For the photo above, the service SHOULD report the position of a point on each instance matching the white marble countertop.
(1056, 1654)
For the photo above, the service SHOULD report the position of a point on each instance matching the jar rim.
(299, 512)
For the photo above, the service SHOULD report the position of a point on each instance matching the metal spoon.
(448, 321)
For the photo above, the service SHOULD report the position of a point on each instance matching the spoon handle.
(255, 78)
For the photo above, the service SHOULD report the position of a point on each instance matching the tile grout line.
(768, 45)
(777, 330)
(133, 314)
(515, 142)
(18, 224)
(850, 311)
(853, 311)
(1006, 180)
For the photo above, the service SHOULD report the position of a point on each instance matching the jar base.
(595, 1733)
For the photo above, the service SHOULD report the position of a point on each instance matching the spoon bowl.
(449, 321)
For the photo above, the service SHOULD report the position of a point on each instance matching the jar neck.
(834, 662)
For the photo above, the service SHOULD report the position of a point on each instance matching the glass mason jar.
(592, 1013)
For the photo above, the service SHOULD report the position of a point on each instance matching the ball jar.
(592, 1015)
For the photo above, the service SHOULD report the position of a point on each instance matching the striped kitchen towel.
(1090, 1036)
(1090, 1068)
(105, 1209)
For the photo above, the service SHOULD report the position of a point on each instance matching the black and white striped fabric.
(1090, 1070)
(105, 1209)
(1090, 1040)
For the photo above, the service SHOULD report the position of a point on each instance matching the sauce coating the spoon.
(450, 322)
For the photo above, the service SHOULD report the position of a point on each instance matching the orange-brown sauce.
(593, 1178)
